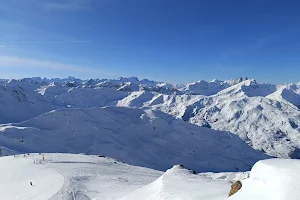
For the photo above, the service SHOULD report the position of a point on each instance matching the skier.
(31, 183)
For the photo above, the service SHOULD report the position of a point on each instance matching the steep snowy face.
(289, 94)
(91, 97)
(266, 125)
(21, 103)
(138, 137)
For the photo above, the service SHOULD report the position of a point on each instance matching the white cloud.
(29, 63)
(43, 42)
(69, 5)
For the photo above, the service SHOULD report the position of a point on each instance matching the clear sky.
(177, 41)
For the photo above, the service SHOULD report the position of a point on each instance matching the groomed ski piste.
(82, 177)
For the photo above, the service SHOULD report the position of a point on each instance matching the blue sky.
(178, 41)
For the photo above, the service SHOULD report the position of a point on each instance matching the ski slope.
(16, 174)
(82, 177)
(69, 177)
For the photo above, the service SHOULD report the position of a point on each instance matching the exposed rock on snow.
(235, 187)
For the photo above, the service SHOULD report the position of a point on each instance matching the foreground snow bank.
(16, 174)
(179, 183)
(273, 179)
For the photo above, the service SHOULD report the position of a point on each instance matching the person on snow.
(30, 183)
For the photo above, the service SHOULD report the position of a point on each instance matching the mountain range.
(215, 125)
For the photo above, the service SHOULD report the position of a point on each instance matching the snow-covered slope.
(274, 179)
(21, 103)
(69, 177)
(267, 125)
(205, 88)
(16, 175)
(266, 116)
(139, 137)
(289, 94)
(75, 176)
(245, 109)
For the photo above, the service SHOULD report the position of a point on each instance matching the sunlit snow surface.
(274, 179)
(81, 177)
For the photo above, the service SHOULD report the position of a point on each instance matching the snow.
(273, 179)
(246, 109)
(265, 116)
(77, 176)
(178, 184)
(208, 126)
(68, 177)
(17, 173)
(99, 178)
(162, 140)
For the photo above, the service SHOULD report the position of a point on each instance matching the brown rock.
(235, 187)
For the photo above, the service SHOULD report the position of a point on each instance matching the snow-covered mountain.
(247, 109)
(265, 116)
(140, 137)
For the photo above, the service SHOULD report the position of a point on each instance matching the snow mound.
(178, 184)
(273, 179)
(16, 174)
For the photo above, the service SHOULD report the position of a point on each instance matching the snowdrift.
(180, 184)
(273, 179)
